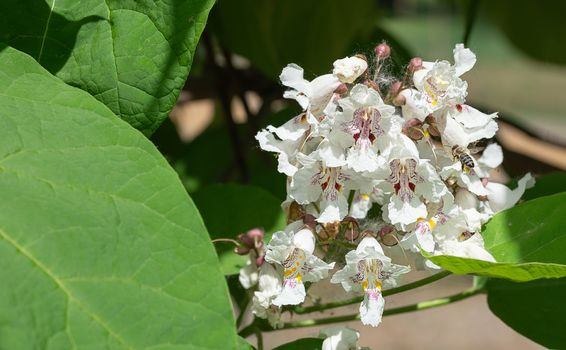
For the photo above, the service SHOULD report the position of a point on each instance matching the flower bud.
(399, 100)
(310, 221)
(246, 240)
(255, 234)
(295, 212)
(413, 129)
(396, 88)
(415, 64)
(348, 69)
(387, 235)
(382, 51)
(260, 260)
(342, 89)
(241, 250)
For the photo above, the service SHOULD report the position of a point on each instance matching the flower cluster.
(374, 166)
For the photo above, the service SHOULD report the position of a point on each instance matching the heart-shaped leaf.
(134, 56)
(100, 246)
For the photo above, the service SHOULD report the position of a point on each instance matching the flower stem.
(399, 310)
(356, 300)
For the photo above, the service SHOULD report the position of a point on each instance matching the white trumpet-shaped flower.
(293, 249)
(348, 69)
(438, 85)
(269, 287)
(368, 269)
(340, 338)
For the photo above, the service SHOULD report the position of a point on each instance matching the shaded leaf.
(535, 309)
(230, 209)
(134, 56)
(310, 33)
(100, 243)
(546, 27)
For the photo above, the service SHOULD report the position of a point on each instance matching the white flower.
(348, 69)
(501, 197)
(461, 125)
(362, 128)
(360, 206)
(249, 274)
(286, 151)
(438, 85)
(313, 96)
(269, 287)
(339, 338)
(315, 181)
(293, 250)
(470, 178)
(472, 248)
(413, 180)
(367, 268)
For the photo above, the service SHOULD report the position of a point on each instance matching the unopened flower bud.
(352, 229)
(348, 69)
(413, 129)
(399, 100)
(342, 89)
(246, 240)
(310, 221)
(260, 260)
(395, 88)
(242, 250)
(432, 126)
(382, 51)
(255, 234)
(415, 64)
(295, 212)
(387, 235)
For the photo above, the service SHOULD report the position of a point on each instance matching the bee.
(463, 155)
(464, 236)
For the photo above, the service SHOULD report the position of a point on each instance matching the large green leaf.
(230, 209)
(535, 309)
(100, 246)
(310, 33)
(528, 241)
(134, 56)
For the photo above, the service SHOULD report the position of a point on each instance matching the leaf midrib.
(63, 287)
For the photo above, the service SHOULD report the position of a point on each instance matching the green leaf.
(527, 241)
(535, 309)
(100, 246)
(133, 56)
(244, 345)
(302, 344)
(547, 185)
(546, 26)
(310, 33)
(230, 209)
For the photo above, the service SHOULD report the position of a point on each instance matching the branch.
(356, 300)
(424, 305)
